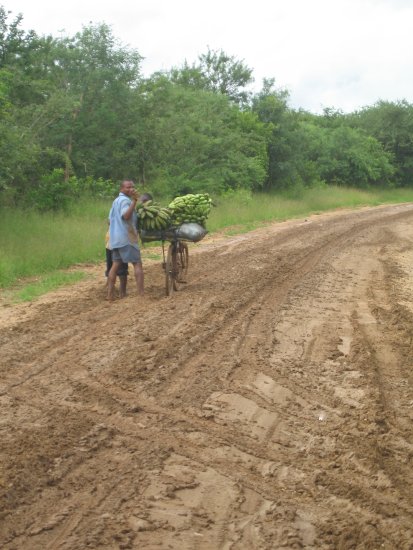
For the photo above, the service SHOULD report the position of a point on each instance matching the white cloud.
(326, 52)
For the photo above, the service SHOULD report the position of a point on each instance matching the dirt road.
(267, 405)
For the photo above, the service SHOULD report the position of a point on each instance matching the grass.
(37, 244)
(46, 284)
(243, 211)
(153, 255)
(34, 244)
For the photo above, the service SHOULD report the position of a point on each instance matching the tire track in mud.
(391, 363)
(356, 344)
(227, 429)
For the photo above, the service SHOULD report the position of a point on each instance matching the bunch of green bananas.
(153, 217)
(191, 208)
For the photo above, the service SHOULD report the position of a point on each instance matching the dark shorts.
(127, 254)
(123, 269)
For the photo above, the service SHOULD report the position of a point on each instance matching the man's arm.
(128, 214)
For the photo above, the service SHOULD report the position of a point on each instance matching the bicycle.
(175, 265)
(176, 258)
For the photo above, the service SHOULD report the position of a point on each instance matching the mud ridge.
(268, 404)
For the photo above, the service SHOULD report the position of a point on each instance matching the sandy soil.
(266, 405)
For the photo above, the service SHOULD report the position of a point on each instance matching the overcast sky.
(343, 54)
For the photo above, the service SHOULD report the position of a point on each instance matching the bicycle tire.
(184, 262)
(176, 267)
(169, 270)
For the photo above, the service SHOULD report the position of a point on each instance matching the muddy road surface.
(266, 405)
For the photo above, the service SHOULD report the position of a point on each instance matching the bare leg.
(123, 280)
(109, 264)
(138, 270)
(112, 279)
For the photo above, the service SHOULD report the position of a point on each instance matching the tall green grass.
(46, 283)
(33, 244)
(246, 210)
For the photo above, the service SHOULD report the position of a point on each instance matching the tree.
(18, 153)
(67, 103)
(391, 123)
(304, 149)
(349, 156)
(270, 105)
(195, 139)
(93, 76)
(217, 72)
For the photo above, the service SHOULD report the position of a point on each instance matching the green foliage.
(235, 212)
(93, 91)
(239, 196)
(270, 105)
(52, 192)
(76, 115)
(349, 155)
(46, 284)
(35, 243)
(216, 72)
(392, 125)
(197, 141)
(305, 150)
(97, 188)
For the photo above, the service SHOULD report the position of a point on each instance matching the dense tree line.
(76, 114)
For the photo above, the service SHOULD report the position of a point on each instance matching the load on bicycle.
(182, 220)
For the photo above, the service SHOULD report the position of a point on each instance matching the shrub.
(52, 192)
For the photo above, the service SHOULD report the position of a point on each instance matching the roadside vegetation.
(77, 117)
(44, 245)
(237, 211)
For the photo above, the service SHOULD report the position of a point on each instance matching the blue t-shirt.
(122, 232)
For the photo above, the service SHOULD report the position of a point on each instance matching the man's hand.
(134, 195)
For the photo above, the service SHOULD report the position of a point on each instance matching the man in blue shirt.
(123, 236)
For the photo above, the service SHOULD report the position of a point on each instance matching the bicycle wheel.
(169, 269)
(176, 267)
(183, 259)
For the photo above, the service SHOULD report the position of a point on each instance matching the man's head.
(145, 197)
(127, 187)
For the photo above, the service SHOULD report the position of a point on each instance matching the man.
(123, 270)
(123, 236)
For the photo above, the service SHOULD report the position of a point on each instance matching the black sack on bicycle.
(191, 232)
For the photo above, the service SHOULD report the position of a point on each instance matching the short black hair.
(145, 197)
